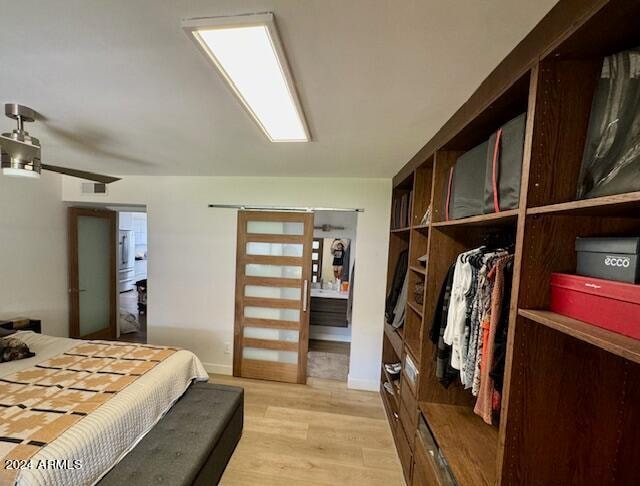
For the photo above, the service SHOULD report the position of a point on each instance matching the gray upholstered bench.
(190, 446)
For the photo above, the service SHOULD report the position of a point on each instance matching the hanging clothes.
(483, 405)
(401, 304)
(470, 297)
(500, 346)
(469, 327)
(479, 310)
(445, 373)
(456, 333)
(399, 275)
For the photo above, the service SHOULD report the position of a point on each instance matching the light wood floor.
(315, 434)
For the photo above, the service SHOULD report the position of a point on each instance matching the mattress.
(93, 445)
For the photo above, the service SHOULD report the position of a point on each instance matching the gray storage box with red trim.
(486, 179)
(504, 167)
(465, 189)
(609, 258)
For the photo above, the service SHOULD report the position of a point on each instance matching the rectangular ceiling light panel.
(247, 51)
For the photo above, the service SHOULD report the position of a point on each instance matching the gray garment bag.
(465, 192)
(504, 167)
(611, 159)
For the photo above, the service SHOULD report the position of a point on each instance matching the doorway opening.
(273, 271)
(108, 272)
(294, 281)
(333, 260)
(132, 276)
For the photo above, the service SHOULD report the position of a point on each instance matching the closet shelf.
(420, 270)
(598, 205)
(394, 383)
(623, 346)
(493, 219)
(421, 226)
(469, 445)
(394, 338)
(413, 353)
(389, 404)
(416, 308)
(401, 230)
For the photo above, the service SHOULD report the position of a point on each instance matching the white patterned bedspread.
(103, 438)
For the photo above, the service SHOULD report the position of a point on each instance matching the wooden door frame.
(74, 291)
(241, 259)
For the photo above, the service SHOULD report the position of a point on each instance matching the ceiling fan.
(20, 152)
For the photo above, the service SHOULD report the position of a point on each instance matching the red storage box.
(604, 303)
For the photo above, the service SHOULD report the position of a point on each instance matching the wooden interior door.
(273, 274)
(92, 273)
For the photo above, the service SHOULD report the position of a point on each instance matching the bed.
(77, 408)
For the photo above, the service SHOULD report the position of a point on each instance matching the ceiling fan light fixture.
(14, 172)
(19, 167)
(20, 152)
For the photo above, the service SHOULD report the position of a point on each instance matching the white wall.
(33, 252)
(192, 256)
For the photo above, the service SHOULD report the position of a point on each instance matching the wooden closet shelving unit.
(571, 397)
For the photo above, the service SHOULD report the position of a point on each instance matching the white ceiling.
(124, 91)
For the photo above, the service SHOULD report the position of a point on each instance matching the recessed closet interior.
(567, 401)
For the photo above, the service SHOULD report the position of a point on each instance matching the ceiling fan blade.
(82, 174)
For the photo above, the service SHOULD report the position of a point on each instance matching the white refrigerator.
(126, 261)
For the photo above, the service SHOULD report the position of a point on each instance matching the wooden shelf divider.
(420, 270)
(394, 338)
(481, 219)
(599, 205)
(395, 384)
(469, 445)
(416, 308)
(618, 344)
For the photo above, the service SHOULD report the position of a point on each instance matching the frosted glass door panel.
(275, 228)
(94, 273)
(271, 313)
(274, 271)
(265, 292)
(274, 249)
(290, 357)
(271, 334)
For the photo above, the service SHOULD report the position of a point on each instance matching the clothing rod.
(283, 208)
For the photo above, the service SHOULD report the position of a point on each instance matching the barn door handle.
(305, 291)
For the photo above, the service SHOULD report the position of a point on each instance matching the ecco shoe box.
(609, 258)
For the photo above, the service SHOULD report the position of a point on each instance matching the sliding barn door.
(273, 272)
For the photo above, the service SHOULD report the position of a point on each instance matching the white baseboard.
(218, 369)
(359, 384)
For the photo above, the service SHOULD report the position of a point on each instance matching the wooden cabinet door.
(92, 273)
